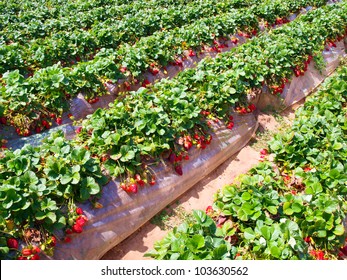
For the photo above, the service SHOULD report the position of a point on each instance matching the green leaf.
(249, 233)
(339, 230)
(275, 252)
(337, 146)
(246, 196)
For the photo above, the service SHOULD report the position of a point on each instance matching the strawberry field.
(127, 104)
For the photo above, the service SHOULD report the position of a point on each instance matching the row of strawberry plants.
(67, 18)
(292, 208)
(47, 91)
(123, 139)
(174, 114)
(82, 44)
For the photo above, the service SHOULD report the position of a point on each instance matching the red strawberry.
(53, 241)
(35, 257)
(35, 250)
(152, 182)
(77, 228)
(127, 85)
(79, 211)
(187, 145)
(145, 83)
(133, 188)
(59, 121)
(123, 69)
(12, 243)
(69, 231)
(26, 252)
(230, 125)
(178, 169)
(234, 40)
(186, 157)
(209, 210)
(78, 130)
(104, 158)
(80, 221)
(154, 71)
(307, 239)
(191, 53)
(139, 180)
(67, 239)
(38, 129)
(264, 152)
(52, 115)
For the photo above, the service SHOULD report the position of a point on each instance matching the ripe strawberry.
(191, 53)
(104, 158)
(154, 71)
(139, 180)
(52, 115)
(123, 69)
(145, 83)
(127, 85)
(178, 169)
(133, 188)
(243, 111)
(79, 211)
(80, 221)
(59, 121)
(35, 257)
(35, 250)
(77, 228)
(252, 107)
(26, 252)
(78, 130)
(178, 158)
(38, 129)
(264, 152)
(234, 40)
(124, 186)
(307, 239)
(230, 125)
(12, 243)
(186, 157)
(67, 239)
(68, 231)
(152, 182)
(187, 145)
(53, 241)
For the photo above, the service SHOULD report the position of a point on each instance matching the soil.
(201, 195)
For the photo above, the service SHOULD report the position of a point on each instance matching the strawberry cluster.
(153, 69)
(299, 70)
(30, 253)
(245, 110)
(278, 89)
(318, 254)
(132, 185)
(77, 221)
